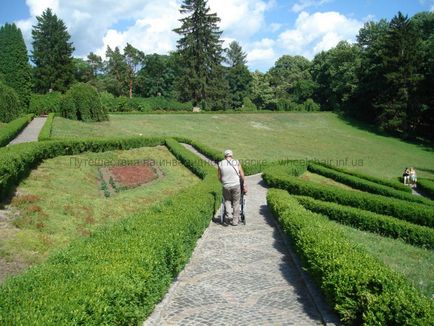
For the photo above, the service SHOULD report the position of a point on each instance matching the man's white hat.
(228, 152)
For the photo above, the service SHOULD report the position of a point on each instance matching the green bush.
(365, 185)
(82, 102)
(283, 104)
(426, 186)
(10, 130)
(9, 103)
(108, 101)
(417, 235)
(140, 104)
(360, 288)
(248, 105)
(390, 183)
(279, 177)
(311, 106)
(118, 274)
(45, 103)
(17, 161)
(45, 133)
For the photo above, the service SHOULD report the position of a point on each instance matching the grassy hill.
(267, 136)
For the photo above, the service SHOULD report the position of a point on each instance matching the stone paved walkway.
(31, 132)
(241, 275)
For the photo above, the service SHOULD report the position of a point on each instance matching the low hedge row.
(17, 161)
(390, 183)
(279, 177)
(45, 133)
(249, 167)
(209, 152)
(10, 130)
(426, 185)
(360, 288)
(190, 160)
(414, 234)
(118, 274)
(142, 104)
(366, 185)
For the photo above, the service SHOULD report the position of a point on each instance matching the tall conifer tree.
(200, 50)
(14, 63)
(238, 75)
(401, 62)
(52, 54)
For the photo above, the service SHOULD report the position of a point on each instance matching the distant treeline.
(385, 78)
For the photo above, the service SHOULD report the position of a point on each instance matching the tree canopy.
(14, 63)
(52, 54)
(201, 54)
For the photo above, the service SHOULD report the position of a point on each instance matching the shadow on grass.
(421, 143)
(425, 170)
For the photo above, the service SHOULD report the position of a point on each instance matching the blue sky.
(266, 29)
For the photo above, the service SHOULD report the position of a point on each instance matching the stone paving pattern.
(31, 132)
(240, 275)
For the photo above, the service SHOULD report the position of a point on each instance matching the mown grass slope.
(271, 136)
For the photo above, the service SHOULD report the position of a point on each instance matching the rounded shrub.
(311, 106)
(82, 102)
(248, 105)
(108, 101)
(9, 103)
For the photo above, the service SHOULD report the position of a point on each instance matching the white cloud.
(147, 25)
(150, 34)
(261, 52)
(38, 6)
(240, 18)
(318, 32)
(304, 4)
(274, 27)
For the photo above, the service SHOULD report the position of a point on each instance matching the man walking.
(231, 175)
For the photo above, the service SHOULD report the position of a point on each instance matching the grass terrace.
(64, 199)
(267, 136)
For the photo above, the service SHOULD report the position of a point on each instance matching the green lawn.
(61, 200)
(270, 136)
(415, 263)
(309, 176)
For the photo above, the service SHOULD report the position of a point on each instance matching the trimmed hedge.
(45, 133)
(390, 183)
(118, 274)
(17, 161)
(360, 288)
(279, 177)
(45, 103)
(426, 186)
(189, 159)
(249, 167)
(366, 185)
(142, 104)
(10, 130)
(413, 234)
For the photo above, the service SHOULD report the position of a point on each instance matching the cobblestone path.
(240, 275)
(31, 132)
